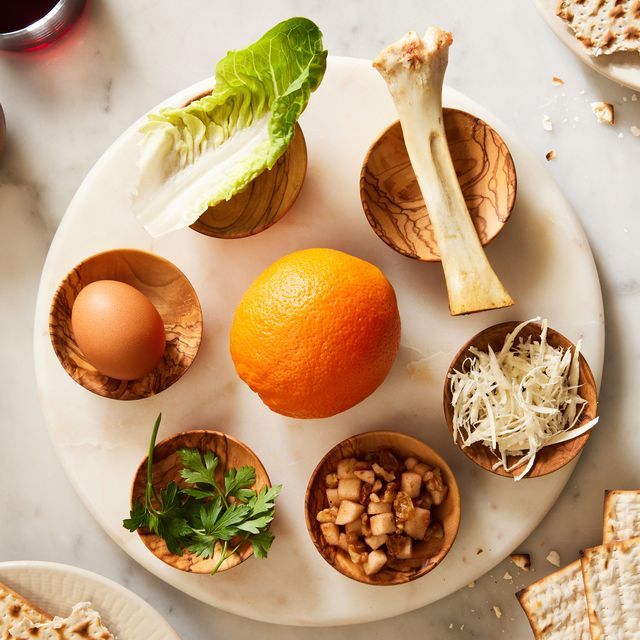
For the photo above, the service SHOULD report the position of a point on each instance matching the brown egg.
(118, 329)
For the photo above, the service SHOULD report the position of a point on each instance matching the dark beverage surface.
(18, 14)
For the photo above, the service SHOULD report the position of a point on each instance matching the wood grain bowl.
(548, 459)
(403, 446)
(392, 200)
(170, 292)
(166, 468)
(267, 198)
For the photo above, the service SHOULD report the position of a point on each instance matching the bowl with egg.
(125, 324)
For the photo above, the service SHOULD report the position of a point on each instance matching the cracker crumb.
(554, 558)
(547, 125)
(557, 81)
(624, 98)
(497, 611)
(603, 112)
(471, 585)
(634, 130)
(451, 626)
(634, 97)
(521, 560)
(551, 154)
(507, 576)
(461, 627)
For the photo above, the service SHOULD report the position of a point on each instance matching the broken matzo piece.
(14, 608)
(82, 624)
(556, 606)
(611, 575)
(550, 615)
(603, 111)
(603, 26)
(621, 515)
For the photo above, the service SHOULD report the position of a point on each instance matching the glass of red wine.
(33, 24)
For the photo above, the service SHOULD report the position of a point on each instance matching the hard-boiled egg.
(118, 329)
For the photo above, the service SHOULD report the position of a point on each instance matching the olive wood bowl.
(171, 294)
(166, 468)
(265, 200)
(403, 446)
(549, 458)
(392, 200)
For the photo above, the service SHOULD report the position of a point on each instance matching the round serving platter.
(542, 256)
(55, 588)
(622, 67)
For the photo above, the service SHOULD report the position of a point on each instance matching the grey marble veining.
(65, 105)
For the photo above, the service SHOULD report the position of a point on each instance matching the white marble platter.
(542, 255)
(56, 588)
(623, 67)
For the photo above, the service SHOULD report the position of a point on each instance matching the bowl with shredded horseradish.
(520, 399)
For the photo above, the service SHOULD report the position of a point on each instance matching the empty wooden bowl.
(265, 200)
(171, 294)
(402, 446)
(392, 200)
(549, 458)
(166, 468)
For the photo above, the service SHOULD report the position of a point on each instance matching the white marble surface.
(65, 105)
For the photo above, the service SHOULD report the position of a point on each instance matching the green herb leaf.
(198, 494)
(138, 518)
(203, 545)
(244, 495)
(198, 468)
(172, 531)
(226, 525)
(237, 479)
(209, 514)
(262, 543)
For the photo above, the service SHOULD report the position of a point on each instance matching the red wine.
(18, 14)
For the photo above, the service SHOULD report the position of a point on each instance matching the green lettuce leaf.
(197, 156)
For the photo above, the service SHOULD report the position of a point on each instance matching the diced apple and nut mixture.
(380, 511)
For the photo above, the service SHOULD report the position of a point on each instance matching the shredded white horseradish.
(519, 400)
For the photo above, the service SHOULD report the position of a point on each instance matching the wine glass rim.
(34, 25)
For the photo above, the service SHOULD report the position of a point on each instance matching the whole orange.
(316, 333)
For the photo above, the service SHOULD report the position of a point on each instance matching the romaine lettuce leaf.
(195, 157)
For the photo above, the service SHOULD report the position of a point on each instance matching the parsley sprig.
(202, 514)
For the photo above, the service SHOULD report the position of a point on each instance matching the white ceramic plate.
(542, 255)
(623, 67)
(55, 588)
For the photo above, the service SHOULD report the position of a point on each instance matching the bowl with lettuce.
(232, 162)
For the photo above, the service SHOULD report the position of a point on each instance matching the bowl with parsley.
(202, 501)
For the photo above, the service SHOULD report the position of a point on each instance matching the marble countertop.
(64, 106)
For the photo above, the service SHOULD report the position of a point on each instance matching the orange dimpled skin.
(316, 333)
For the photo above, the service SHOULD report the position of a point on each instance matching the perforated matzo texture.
(612, 585)
(82, 624)
(603, 26)
(556, 607)
(621, 516)
(13, 608)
